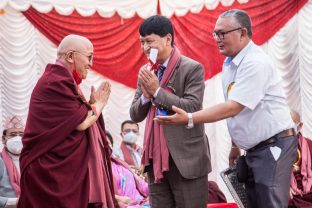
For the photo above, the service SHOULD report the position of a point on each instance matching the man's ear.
(168, 39)
(244, 32)
(70, 57)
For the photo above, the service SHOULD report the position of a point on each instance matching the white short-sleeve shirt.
(252, 80)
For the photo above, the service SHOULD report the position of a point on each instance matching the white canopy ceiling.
(126, 9)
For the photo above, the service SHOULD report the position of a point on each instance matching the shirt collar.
(239, 57)
(165, 64)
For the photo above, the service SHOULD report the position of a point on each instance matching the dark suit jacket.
(188, 148)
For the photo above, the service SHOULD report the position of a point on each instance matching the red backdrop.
(116, 40)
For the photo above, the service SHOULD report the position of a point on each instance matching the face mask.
(15, 145)
(130, 137)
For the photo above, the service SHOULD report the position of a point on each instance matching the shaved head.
(73, 43)
(76, 53)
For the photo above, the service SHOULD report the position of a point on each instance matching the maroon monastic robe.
(215, 195)
(54, 159)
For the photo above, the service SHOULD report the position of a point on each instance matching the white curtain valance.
(125, 8)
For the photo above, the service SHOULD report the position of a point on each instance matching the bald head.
(73, 43)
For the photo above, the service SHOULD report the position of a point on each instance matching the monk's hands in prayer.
(103, 92)
(179, 118)
(99, 98)
(92, 98)
(149, 81)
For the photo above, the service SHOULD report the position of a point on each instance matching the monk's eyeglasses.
(90, 56)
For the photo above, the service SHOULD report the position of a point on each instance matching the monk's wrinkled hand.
(104, 91)
(92, 96)
(179, 118)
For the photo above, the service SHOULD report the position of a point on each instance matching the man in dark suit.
(176, 158)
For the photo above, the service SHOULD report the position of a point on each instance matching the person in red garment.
(301, 176)
(65, 160)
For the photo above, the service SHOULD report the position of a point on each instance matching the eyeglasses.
(220, 34)
(125, 131)
(90, 57)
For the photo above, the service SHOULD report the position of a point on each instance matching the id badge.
(161, 112)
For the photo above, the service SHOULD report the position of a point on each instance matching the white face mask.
(130, 137)
(15, 145)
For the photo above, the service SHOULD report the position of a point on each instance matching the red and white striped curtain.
(118, 55)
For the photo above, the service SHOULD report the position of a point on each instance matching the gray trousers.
(269, 179)
(176, 191)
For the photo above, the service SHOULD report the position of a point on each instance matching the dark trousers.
(177, 192)
(269, 179)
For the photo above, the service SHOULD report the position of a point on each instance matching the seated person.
(131, 190)
(129, 151)
(301, 178)
(9, 162)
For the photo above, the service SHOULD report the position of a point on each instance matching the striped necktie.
(160, 72)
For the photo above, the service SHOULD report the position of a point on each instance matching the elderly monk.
(13, 130)
(65, 161)
(301, 177)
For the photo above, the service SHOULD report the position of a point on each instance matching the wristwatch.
(190, 123)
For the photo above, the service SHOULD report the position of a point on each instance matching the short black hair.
(128, 122)
(110, 137)
(241, 17)
(158, 25)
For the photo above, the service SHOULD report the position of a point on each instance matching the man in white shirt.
(129, 151)
(257, 114)
(9, 162)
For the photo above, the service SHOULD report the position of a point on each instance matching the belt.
(273, 139)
